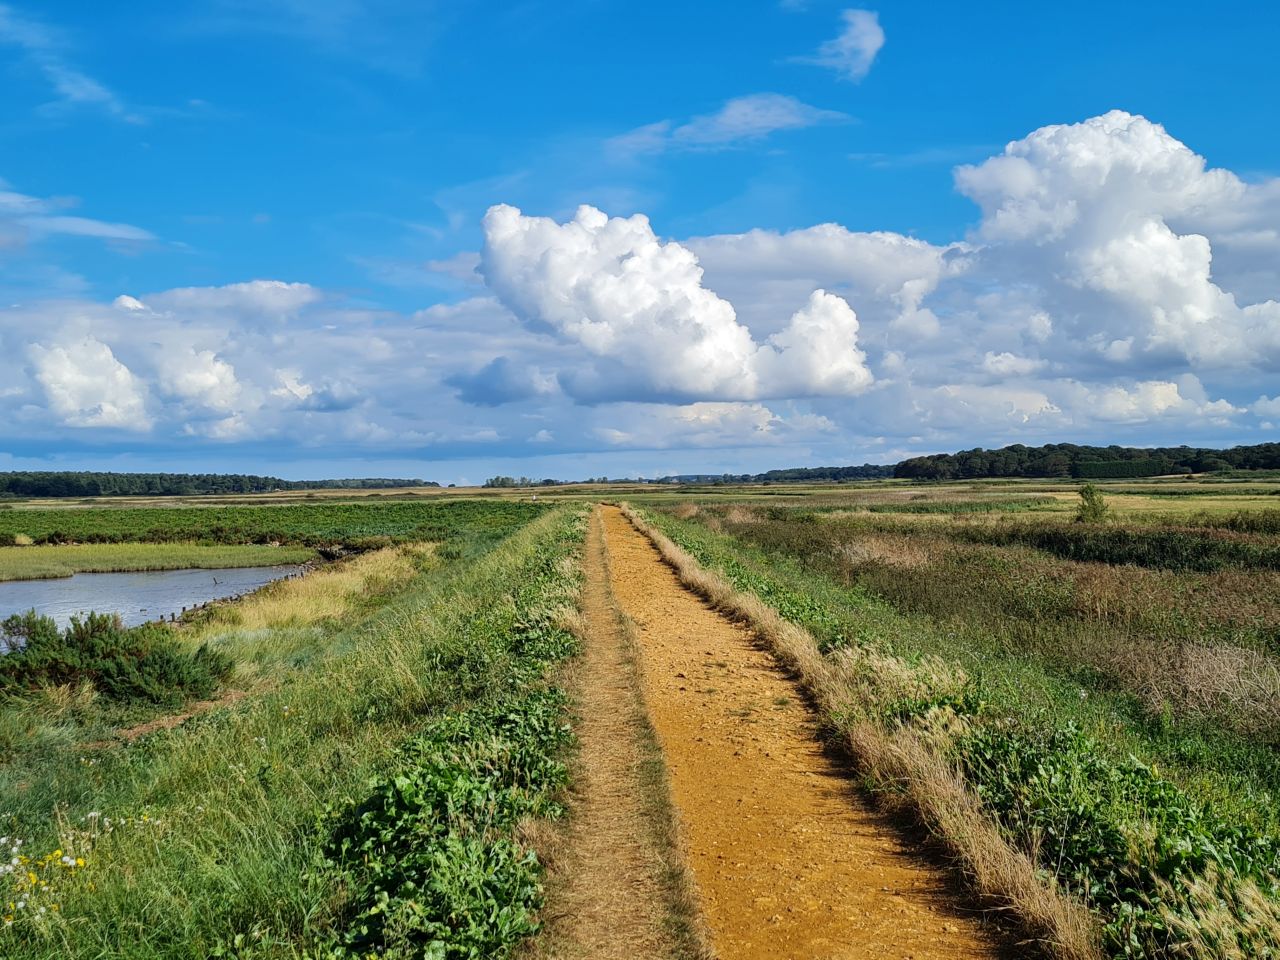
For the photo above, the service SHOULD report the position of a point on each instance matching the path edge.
(912, 776)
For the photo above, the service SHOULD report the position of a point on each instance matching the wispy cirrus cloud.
(25, 218)
(741, 120)
(45, 50)
(854, 50)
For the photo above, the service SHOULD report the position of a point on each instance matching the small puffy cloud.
(740, 120)
(87, 386)
(1007, 365)
(126, 302)
(1266, 406)
(612, 288)
(817, 353)
(854, 50)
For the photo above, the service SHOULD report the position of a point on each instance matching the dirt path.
(789, 862)
(612, 896)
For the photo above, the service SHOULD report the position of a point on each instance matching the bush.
(1093, 508)
(127, 665)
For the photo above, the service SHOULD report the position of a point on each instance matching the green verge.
(47, 562)
(367, 805)
(1168, 834)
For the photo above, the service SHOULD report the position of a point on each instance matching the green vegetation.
(319, 524)
(43, 562)
(1117, 723)
(358, 796)
(128, 666)
(1093, 506)
(1070, 459)
(430, 855)
(1162, 548)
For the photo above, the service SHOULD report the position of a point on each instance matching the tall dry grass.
(908, 764)
(326, 593)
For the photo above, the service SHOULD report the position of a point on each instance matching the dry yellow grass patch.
(327, 593)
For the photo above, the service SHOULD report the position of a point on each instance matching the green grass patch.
(47, 562)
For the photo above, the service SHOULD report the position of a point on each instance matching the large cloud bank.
(1113, 287)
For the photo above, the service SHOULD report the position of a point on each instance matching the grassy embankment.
(363, 797)
(1112, 722)
(49, 561)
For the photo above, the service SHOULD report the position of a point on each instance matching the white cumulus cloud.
(199, 376)
(87, 386)
(1111, 220)
(613, 288)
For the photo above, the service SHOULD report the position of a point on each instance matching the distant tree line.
(1074, 460)
(868, 471)
(508, 482)
(85, 484)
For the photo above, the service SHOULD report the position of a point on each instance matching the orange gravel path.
(790, 862)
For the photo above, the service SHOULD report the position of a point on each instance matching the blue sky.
(253, 235)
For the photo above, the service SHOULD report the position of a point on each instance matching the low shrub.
(139, 665)
(430, 858)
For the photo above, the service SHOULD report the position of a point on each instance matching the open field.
(1043, 737)
(40, 562)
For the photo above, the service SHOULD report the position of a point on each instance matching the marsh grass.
(1201, 645)
(47, 562)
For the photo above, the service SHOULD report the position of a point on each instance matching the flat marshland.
(48, 561)
(1077, 697)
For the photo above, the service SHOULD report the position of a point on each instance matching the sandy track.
(789, 861)
(609, 900)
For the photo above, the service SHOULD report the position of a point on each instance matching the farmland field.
(1051, 729)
